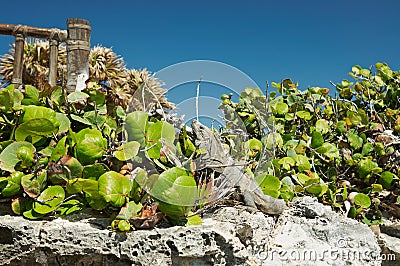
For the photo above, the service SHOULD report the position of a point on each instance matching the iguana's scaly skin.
(232, 174)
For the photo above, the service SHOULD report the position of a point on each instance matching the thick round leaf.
(11, 189)
(35, 128)
(156, 131)
(74, 166)
(32, 215)
(127, 151)
(70, 207)
(90, 145)
(64, 122)
(8, 157)
(317, 189)
(130, 210)
(316, 139)
(366, 167)
(94, 171)
(135, 126)
(114, 188)
(329, 150)
(77, 97)
(386, 179)
(355, 141)
(49, 200)
(77, 185)
(59, 150)
(21, 204)
(31, 96)
(302, 162)
(362, 200)
(164, 181)
(40, 112)
(183, 192)
(322, 126)
(33, 185)
(281, 108)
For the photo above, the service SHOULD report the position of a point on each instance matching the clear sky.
(312, 42)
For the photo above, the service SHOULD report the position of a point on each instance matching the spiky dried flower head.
(36, 62)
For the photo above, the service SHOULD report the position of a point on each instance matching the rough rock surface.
(389, 239)
(307, 233)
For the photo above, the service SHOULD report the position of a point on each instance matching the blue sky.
(312, 42)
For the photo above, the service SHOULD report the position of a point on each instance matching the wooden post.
(53, 62)
(18, 60)
(78, 49)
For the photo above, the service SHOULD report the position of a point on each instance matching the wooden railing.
(77, 38)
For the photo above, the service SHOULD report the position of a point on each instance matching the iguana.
(232, 173)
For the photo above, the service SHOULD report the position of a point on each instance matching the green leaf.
(367, 149)
(33, 185)
(21, 204)
(303, 178)
(317, 189)
(386, 179)
(74, 166)
(49, 200)
(341, 127)
(78, 185)
(281, 108)
(127, 151)
(254, 146)
(286, 162)
(31, 96)
(32, 215)
(250, 94)
(90, 145)
(40, 112)
(59, 150)
(362, 200)
(304, 115)
(77, 96)
(355, 141)
(6, 99)
(11, 189)
(270, 185)
(129, 211)
(329, 150)
(322, 126)
(82, 120)
(114, 188)
(9, 158)
(193, 220)
(302, 162)
(156, 131)
(94, 171)
(64, 122)
(366, 167)
(135, 126)
(70, 207)
(95, 200)
(316, 139)
(35, 128)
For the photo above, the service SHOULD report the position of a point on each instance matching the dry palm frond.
(104, 66)
(36, 63)
(150, 85)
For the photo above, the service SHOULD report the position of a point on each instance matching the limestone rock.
(306, 233)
